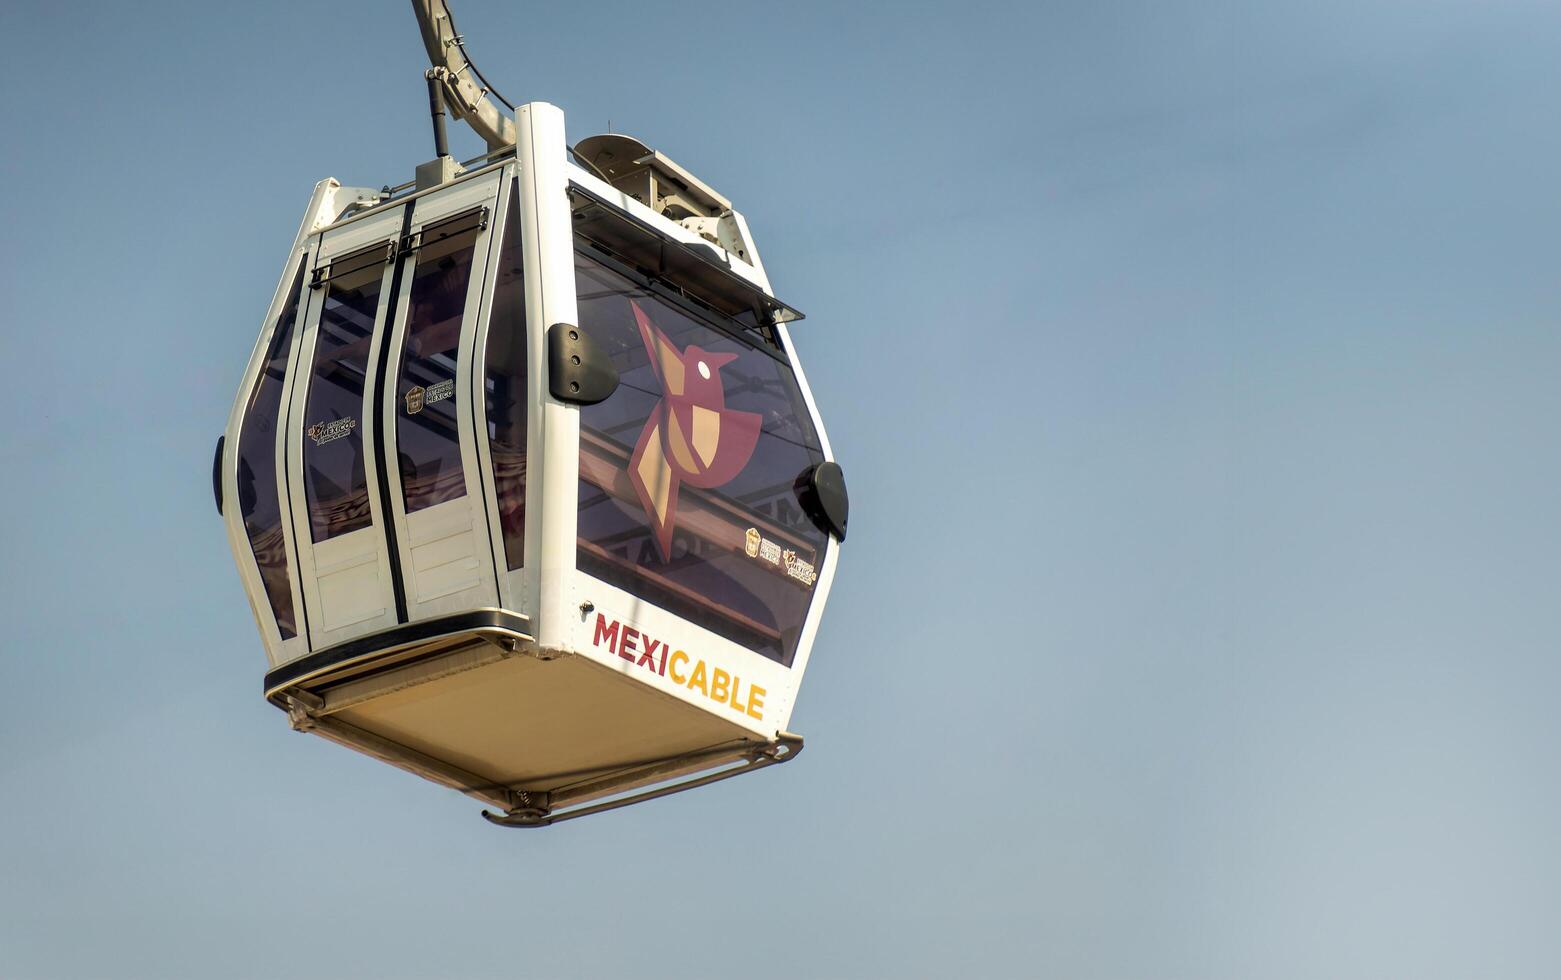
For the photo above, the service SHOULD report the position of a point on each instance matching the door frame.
(446, 521)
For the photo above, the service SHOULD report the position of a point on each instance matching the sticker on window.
(324, 432)
(756, 545)
(418, 396)
(798, 569)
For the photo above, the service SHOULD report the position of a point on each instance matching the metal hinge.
(301, 708)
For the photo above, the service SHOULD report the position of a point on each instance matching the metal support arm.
(465, 89)
(536, 809)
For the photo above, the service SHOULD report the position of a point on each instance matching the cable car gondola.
(523, 481)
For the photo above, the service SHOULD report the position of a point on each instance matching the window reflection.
(427, 434)
(258, 491)
(335, 481)
(506, 387)
(738, 555)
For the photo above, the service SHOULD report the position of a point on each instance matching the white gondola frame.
(548, 590)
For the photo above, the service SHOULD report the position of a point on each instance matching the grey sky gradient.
(1193, 367)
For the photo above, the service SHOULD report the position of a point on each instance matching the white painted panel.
(438, 581)
(440, 521)
(444, 550)
(350, 587)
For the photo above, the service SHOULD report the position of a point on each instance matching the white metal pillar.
(547, 236)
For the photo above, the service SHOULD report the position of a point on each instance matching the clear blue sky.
(1194, 369)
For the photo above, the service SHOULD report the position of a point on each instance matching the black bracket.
(578, 371)
(821, 490)
(216, 471)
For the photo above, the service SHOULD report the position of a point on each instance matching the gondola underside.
(541, 739)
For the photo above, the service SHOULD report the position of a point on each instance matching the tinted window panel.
(506, 388)
(259, 493)
(335, 481)
(427, 437)
(687, 471)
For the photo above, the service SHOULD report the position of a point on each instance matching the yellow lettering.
(756, 701)
(672, 666)
(720, 683)
(697, 679)
(737, 686)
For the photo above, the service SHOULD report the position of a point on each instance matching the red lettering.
(603, 630)
(648, 659)
(626, 645)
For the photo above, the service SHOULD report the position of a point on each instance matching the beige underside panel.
(539, 725)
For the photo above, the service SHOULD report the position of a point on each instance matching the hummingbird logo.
(691, 436)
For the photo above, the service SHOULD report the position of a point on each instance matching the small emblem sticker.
(798, 569)
(756, 545)
(418, 397)
(770, 551)
(439, 392)
(324, 432)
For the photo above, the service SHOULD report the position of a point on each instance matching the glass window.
(259, 494)
(427, 437)
(335, 481)
(687, 471)
(506, 387)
